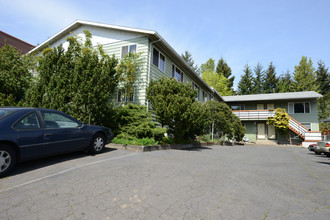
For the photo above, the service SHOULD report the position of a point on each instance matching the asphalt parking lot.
(219, 182)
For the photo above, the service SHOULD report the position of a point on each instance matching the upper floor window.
(237, 107)
(205, 96)
(158, 59)
(299, 107)
(128, 49)
(177, 73)
(195, 86)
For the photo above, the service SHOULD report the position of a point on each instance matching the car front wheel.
(7, 159)
(97, 144)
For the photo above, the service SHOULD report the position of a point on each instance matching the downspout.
(149, 65)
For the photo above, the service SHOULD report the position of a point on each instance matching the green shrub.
(134, 141)
(134, 121)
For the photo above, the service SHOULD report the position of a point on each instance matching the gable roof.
(153, 35)
(273, 96)
(15, 42)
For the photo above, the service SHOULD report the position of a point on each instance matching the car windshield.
(4, 113)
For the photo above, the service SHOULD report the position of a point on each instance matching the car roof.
(25, 108)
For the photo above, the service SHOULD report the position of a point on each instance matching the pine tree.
(323, 78)
(225, 70)
(245, 85)
(304, 76)
(285, 83)
(270, 81)
(190, 61)
(258, 80)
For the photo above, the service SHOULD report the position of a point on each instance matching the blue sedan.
(30, 133)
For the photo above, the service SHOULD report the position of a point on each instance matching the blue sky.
(240, 31)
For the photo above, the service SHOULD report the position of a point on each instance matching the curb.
(139, 148)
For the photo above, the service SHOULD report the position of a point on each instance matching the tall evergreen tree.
(258, 79)
(285, 83)
(304, 76)
(270, 81)
(225, 70)
(190, 61)
(245, 85)
(323, 80)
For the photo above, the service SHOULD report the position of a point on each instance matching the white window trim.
(310, 108)
(128, 45)
(125, 96)
(198, 90)
(158, 65)
(173, 74)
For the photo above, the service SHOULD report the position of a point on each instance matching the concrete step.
(266, 142)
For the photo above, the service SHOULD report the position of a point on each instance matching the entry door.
(271, 132)
(260, 107)
(261, 131)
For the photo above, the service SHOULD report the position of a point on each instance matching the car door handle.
(46, 135)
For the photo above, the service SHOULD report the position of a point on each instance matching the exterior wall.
(141, 82)
(311, 117)
(100, 36)
(156, 73)
(112, 41)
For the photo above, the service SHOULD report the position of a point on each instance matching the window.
(197, 88)
(298, 107)
(237, 107)
(121, 96)
(307, 125)
(204, 96)
(158, 59)
(56, 120)
(128, 49)
(30, 121)
(177, 73)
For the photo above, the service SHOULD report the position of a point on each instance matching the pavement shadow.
(27, 166)
(326, 163)
(198, 149)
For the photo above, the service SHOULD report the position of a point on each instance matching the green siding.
(142, 79)
(300, 117)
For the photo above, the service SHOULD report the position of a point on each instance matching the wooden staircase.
(309, 137)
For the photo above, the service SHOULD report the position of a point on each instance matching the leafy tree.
(285, 83)
(175, 106)
(245, 85)
(15, 75)
(78, 81)
(258, 79)
(208, 66)
(216, 80)
(129, 69)
(224, 121)
(280, 121)
(135, 121)
(190, 61)
(270, 81)
(304, 77)
(225, 70)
